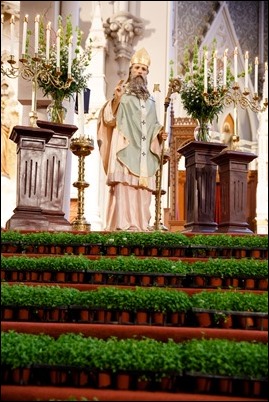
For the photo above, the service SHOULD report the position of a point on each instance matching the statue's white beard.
(138, 86)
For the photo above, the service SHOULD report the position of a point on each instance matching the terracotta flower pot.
(263, 284)
(145, 280)
(104, 380)
(215, 282)
(250, 283)
(160, 280)
(123, 381)
(262, 323)
(7, 313)
(158, 318)
(142, 317)
(23, 314)
(203, 319)
(225, 385)
(124, 317)
(202, 384)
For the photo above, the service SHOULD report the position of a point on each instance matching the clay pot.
(104, 380)
(123, 381)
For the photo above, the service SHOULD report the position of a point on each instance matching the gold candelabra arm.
(36, 70)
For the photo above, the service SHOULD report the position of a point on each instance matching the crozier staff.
(130, 142)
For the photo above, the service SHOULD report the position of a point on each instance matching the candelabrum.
(81, 147)
(236, 97)
(34, 69)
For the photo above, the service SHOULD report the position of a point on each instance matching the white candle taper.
(246, 70)
(36, 33)
(24, 34)
(235, 64)
(256, 75)
(81, 113)
(265, 93)
(12, 38)
(205, 71)
(235, 121)
(225, 67)
(70, 48)
(58, 48)
(2, 23)
(215, 69)
(48, 41)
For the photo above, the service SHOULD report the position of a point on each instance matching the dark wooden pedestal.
(54, 174)
(233, 171)
(200, 185)
(41, 171)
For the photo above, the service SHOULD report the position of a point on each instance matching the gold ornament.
(140, 57)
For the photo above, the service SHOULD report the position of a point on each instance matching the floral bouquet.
(62, 84)
(203, 107)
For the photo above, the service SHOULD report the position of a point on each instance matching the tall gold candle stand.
(81, 147)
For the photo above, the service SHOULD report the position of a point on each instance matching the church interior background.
(114, 30)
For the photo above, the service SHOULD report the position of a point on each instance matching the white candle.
(205, 71)
(215, 69)
(256, 75)
(225, 67)
(70, 46)
(265, 94)
(235, 121)
(36, 33)
(246, 70)
(58, 47)
(24, 34)
(235, 64)
(48, 41)
(12, 38)
(81, 113)
(33, 97)
(2, 23)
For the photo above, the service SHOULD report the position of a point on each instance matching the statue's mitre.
(141, 57)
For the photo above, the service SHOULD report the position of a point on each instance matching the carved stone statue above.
(122, 28)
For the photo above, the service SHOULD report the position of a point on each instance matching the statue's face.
(139, 69)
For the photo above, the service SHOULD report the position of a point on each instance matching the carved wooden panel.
(182, 129)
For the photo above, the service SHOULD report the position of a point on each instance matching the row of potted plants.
(139, 306)
(76, 360)
(132, 270)
(138, 243)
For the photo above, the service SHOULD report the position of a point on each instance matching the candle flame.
(37, 18)
(246, 55)
(235, 50)
(49, 25)
(256, 60)
(26, 18)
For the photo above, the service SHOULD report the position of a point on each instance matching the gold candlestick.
(81, 147)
